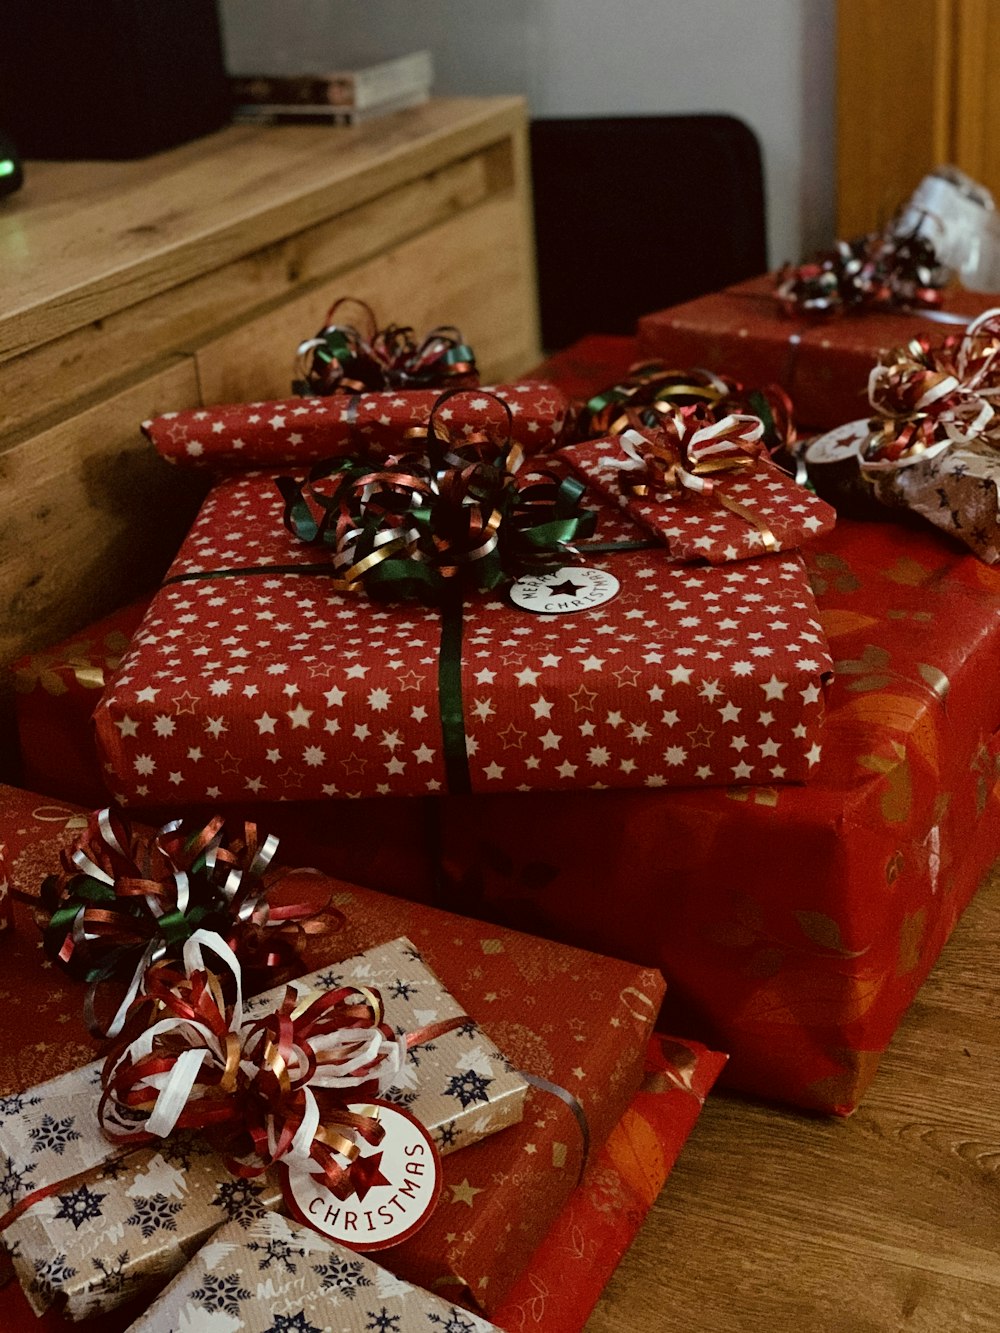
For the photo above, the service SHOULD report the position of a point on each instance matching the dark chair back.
(635, 213)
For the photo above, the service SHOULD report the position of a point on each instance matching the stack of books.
(347, 97)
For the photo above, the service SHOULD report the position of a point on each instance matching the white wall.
(771, 62)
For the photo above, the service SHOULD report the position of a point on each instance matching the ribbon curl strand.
(343, 358)
(446, 514)
(262, 1090)
(125, 900)
(927, 398)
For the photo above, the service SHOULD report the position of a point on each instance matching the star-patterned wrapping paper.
(696, 526)
(577, 1020)
(56, 739)
(297, 432)
(270, 686)
(272, 1276)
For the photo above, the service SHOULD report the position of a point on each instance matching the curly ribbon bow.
(264, 1090)
(928, 398)
(451, 516)
(879, 271)
(651, 393)
(686, 453)
(125, 900)
(343, 359)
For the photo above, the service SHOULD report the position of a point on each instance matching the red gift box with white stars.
(297, 432)
(697, 525)
(269, 685)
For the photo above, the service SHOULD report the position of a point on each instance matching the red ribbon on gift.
(929, 397)
(262, 1089)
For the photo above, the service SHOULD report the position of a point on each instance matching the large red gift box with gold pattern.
(576, 1022)
(252, 680)
(823, 364)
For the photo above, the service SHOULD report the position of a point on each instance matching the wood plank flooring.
(888, 1222)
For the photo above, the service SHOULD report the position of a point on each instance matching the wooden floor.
(773, 1222)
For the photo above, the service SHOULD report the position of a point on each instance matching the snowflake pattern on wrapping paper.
(292, 1323)
(219, 1292)
(80, 1206)
(279, 688)
(453, 1322)
(181, 1148)
(13, 1180)
(344, 1276)
(468, 1087)
(415, 1054)
(51, 1275)
(381, 1321)
(446, 1135)
(157, 1213)
(276, 1251)
(114, 1278)
(239, 1200)
(53, 1135)
(14, 1105)
(401, 1097)
(402, 990)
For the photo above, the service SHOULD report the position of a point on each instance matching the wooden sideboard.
(187, 278)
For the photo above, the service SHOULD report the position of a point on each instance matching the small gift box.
(932, 444)
(253, 678)
(107, 1223)
(823, 364)
(269, 1275)
(299, 432)
(703, 488)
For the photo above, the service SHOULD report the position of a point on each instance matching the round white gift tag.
(397, 1183)
(561, 591)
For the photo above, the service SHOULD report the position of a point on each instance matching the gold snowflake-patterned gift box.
(105, 1230)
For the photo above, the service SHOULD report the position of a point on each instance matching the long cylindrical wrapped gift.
(299, 432)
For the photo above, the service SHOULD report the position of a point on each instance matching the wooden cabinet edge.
(486, 121)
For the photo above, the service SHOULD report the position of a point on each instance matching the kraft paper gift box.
(272, 1276)
(101, 1237)
(822, 364)
(268, 685)
(576, 1022)
(300, 431)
